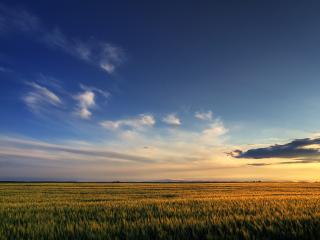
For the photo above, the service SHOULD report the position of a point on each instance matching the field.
(159, 211)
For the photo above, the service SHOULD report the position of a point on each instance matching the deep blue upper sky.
(254, 64)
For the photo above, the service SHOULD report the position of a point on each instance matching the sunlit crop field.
(159, 211)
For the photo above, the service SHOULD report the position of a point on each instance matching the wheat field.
(159, 211)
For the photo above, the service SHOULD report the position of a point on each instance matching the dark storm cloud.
(299, 148)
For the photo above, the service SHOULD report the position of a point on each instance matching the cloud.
(258, 164)
(5, 69)
(172, 119)
(34, 149)
(299, 148)
(111, 57)
(297, 161)
(104, 55)
(40, 97)
(146, 153)
(172, 146)
(18, 20)
(175, 144)
(87, 100)
(103, 93)
(215, 130)
(138, 123)
(205, 116)
(294, 161)
(85, 103)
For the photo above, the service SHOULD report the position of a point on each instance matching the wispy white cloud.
(101, 54)
(154, 154)
(83, 51)
(140, 122)
(51, 151)
(213, 131)
(47, 92)
(5, 69)
(176, 144)
(85, 103)
(172, 119)
(130, 153)
(18, 20)
(87, 100)
(111, 57)
(111, 125)
(103, 93)
(40, 97)
(206, 116)
(50, 81)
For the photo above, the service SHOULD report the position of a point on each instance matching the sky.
(159, 90)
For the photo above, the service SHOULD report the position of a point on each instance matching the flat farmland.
(159, 211)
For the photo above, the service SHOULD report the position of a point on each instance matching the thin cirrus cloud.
(152, 152)
(113, 159)
(5, 69)
(137, 123)
(161, 147)
(205, 116)
(103, 93)
(98, 53)
(18, 20)
(40, 97)
(295, 161)
(172, 119)
(101, 54)
(21, 147)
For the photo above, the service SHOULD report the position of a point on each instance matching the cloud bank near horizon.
(298, 151)
(299, 148)
(155, 152)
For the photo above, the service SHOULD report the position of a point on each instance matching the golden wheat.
(160, 211)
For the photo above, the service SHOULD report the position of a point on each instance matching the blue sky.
(158, 90)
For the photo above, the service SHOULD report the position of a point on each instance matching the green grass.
(160, 211)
